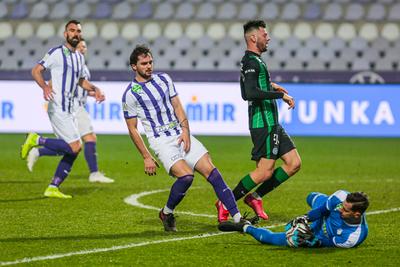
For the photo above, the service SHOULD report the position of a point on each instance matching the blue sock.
(57, 145)
(44, 151)
(178, 190)
(63, 169)
(224, 193)
(266, 236)
(91, 156)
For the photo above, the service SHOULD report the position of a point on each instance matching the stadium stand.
(317, 35)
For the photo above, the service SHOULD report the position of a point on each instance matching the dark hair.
(73, 21)
(253, 24)
(138, 51)
(359, 201)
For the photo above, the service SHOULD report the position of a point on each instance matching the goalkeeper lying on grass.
(337, 220)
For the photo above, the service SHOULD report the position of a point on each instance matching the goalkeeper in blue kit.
(337, 220)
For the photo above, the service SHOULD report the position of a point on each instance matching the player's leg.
(65, 128)
(264, 152)
(171, 156)
(316, 199)
(291, 163)
(266, 236)
(206, 168)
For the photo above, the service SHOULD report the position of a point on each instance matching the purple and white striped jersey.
(81, 94)
(66, 68)
(151, 103)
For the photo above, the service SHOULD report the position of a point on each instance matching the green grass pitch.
(34, 229)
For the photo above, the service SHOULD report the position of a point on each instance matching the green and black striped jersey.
(256, 88)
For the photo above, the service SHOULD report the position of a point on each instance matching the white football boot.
(98, 177)
(33, 156)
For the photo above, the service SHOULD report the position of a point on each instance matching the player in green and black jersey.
(269, 138)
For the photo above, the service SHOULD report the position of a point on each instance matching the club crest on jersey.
(136, 88)
(66, 52)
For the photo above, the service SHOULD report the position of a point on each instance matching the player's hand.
(279, 88)
(185, 139)
(48, 93)
(150, 166)
(289, 100)
(99, 95)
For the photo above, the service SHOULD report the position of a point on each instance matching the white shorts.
(64, 126)
(169, 152)
(83, 120)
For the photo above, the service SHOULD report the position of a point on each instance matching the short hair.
(73, 21)
(138, 51)
(359, 201)
(253, 25)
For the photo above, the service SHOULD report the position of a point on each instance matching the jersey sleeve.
(342, 242)
(251, 90)
(171, 86)
(49, 59)
(129, 104)
(84, 73)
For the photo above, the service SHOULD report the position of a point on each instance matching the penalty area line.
(141, 244)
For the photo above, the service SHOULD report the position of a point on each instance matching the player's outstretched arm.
(183, 121)
(98, 94)
(279, 88)
(150, 164)
(37, 74)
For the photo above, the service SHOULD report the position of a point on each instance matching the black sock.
(278, 177)
(243, 187)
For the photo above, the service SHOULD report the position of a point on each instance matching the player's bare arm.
(37, 74)
(150, 164)
(98, 94)
(278, 88)
(289, 100)
(181, 115)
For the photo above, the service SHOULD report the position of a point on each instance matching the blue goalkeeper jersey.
(332, 230)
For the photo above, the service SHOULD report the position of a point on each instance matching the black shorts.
(270, 143)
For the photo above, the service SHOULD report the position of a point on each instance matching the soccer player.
(337, 220)
(67, 72)
(270, 141)
(85, 129)
(153, 99)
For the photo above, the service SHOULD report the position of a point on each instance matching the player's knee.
(90, 137)
(310, 198)
(295, 165)
(76, 147)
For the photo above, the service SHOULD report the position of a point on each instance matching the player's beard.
(145, 74)
(74, 41)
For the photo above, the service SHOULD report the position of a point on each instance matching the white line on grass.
(132, 245)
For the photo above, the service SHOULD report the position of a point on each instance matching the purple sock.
(44, 151)
(91, 156)
(178, 190)
(57, 145)
(63, 169)
(224, 193)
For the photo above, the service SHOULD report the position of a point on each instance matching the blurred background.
(318, 41)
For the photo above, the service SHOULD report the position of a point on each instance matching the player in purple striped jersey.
(66, 67)
(152, 98)
(85, 129)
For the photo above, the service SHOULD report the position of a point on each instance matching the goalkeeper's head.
(354, 206)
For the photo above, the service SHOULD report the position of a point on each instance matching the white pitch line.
(132, 245)
(134, 201)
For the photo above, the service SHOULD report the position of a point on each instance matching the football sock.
(178, 190)
(224, 193)
(278, 177)
(44, 151)
(63, 169)
(57, 145)
(243, 187)
(266, 236)
(91, 156)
